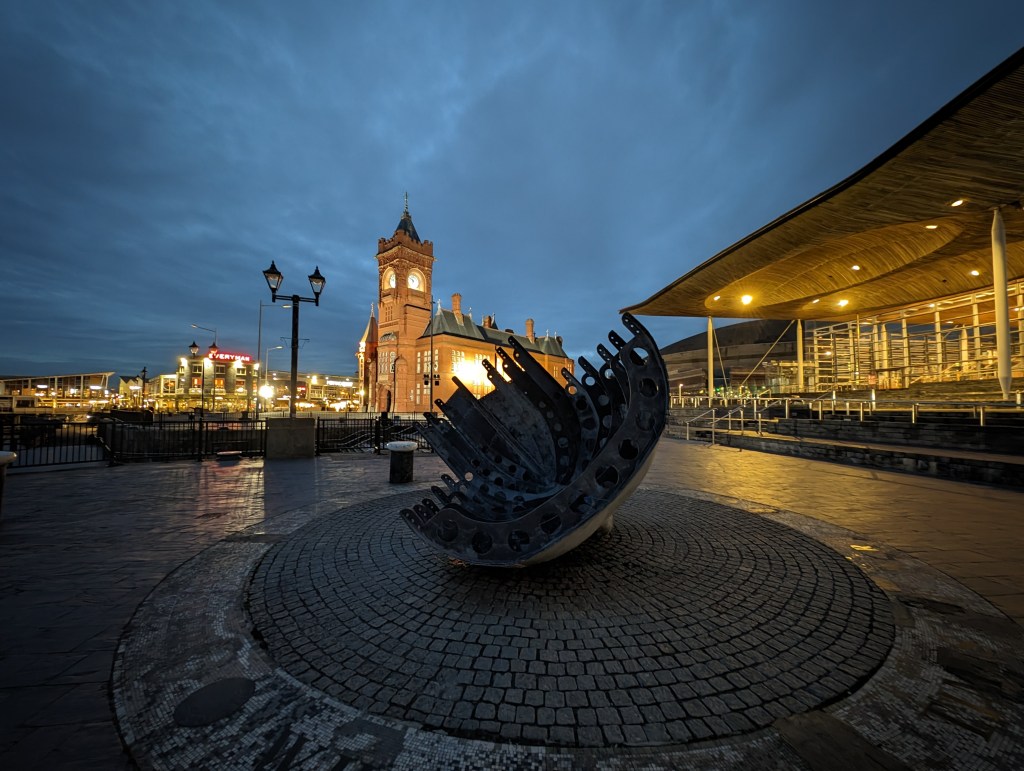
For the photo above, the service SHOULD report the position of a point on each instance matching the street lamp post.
(194, 349)
(266, 372)
(259, 343)
(316, 282)
(213, 350)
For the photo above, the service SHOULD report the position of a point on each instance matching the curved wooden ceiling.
(893, 219)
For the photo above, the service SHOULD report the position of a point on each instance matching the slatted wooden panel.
(973, 148)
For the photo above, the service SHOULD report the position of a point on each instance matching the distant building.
(409, 354)
(92, 390)
(749, 357)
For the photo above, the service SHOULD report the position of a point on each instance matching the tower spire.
(406, 202)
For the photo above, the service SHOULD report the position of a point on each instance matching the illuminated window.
(458, 357)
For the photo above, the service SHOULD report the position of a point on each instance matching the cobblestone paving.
(691, 620)
(947, 696)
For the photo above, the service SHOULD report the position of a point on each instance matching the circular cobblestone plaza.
(690, 620)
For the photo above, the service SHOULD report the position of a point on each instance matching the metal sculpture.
(541, 466)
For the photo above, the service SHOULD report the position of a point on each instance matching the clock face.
(414, 281)
(391, 279)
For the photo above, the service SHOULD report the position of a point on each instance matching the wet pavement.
(279, 614)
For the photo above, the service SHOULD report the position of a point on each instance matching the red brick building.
(410, 340)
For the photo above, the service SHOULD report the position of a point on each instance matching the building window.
(458, 357)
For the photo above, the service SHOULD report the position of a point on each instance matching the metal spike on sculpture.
(540, 466)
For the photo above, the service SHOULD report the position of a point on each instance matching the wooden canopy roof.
(896, 219)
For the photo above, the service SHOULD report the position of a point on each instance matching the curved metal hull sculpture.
(541, 466)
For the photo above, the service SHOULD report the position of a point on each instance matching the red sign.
(221, 356)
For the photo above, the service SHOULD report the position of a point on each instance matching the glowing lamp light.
(855, 267)
(815, 301)
(843, 303)
(746, 299)
(958, 202)
(975, 273)
(716, 298)
(266, 391)
(931, 227)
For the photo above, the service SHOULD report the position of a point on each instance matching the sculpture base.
(690, 620)
(291, 438)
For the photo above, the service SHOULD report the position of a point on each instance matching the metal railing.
(50, 441)
(712, 422)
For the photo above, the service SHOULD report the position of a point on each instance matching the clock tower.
(404, 271)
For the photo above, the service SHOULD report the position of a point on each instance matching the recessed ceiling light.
(975, 273)
(717, 297)
(931, 305)
(843, 303)
(958, 202)
(855, 267)
(931, 227)
(746, 299)
(815, 300)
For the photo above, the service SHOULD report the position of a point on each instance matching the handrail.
(714, 420)
(819, 406)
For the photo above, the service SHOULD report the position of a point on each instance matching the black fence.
(46, 441)
(361, 432)
(49, 441)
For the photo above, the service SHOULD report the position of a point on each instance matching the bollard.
(402, 455)
(6, 458)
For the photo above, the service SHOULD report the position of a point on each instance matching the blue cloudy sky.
(566, 158)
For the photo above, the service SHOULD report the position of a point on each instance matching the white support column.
(876, 348)
(799, 355)
(906, 345)
(1002, 310)
(976, 326)
(855, 342)
(711, 360)
(939, 358)
(1020, 320)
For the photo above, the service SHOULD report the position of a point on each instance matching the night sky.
(566, 158)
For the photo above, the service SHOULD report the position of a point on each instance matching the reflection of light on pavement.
(857, 547)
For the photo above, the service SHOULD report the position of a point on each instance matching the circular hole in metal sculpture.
(648, 387)
(638, 356)
(517, 539)
(607, 476)
(563, 442)
(482, 542)
(468, 476)
(603, 400)
(572, 390)
(581, 404)
(588, 380)
(550, 523)
(449, 531)
(608, 374)
(628, 449)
